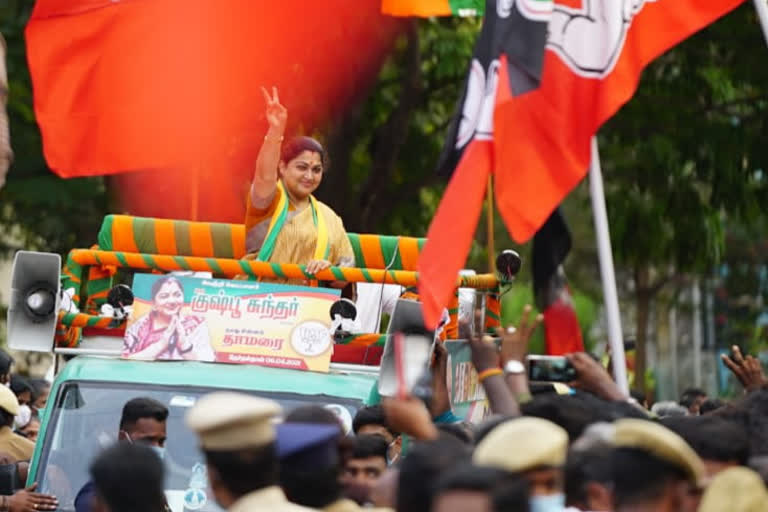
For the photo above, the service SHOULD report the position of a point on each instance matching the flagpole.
(605, 255)
(762, 15)
(489, 227)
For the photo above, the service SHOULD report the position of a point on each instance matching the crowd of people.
(543, 448)
(582, 447)
(21, 403)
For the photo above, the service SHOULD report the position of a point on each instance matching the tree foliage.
(385, 151)
(685, 158)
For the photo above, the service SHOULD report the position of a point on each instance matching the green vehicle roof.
(352, 386)
(216, 375)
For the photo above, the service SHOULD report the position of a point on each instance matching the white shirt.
(374, 299)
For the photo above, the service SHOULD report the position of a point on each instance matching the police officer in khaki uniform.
(18, 447)
(737, 489)
(240, 445)
(654, 469)
(533, 448)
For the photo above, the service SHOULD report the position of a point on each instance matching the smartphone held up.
(550, 369)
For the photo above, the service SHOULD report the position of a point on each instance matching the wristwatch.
(514, 367)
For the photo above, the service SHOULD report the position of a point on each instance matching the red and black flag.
(531, 129)
(551, 244)
(507, 62)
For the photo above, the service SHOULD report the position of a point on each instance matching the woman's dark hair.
(161, 282)
(297, 145)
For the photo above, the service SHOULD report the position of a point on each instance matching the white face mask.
(159, 450)
(22, 419)
(548, 503)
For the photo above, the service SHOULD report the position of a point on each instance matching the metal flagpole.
(762, 14)
(605, 255)
(490, 227)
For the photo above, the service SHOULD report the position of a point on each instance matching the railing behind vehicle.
(164, 245)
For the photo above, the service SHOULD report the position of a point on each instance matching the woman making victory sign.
(284, 222)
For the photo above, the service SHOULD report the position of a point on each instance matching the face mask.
(159, 450)
(22, 419)
(549, 503)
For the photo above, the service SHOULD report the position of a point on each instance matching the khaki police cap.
(660, 442)
(229, 421)
(523, 444)
(736, 489)
(8, 401)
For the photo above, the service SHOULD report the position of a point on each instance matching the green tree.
(686, 156)
(385, 150)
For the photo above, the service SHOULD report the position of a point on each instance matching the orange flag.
(168, 90)
(532, 130)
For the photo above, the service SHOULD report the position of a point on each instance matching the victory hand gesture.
(277, 115)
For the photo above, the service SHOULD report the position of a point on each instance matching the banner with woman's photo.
(187, 318)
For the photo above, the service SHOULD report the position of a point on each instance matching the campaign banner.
(243, 322)
(468, 398)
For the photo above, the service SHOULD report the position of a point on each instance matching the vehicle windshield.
(85, 420)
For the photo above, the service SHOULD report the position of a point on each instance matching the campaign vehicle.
(77, 312)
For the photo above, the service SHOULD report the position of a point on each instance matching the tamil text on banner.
(184, 318)
(468, 399)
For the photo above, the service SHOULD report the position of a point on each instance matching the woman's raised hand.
(277, 115)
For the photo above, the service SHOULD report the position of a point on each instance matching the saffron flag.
(534, 135)
(551, 244)
(167, 92)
